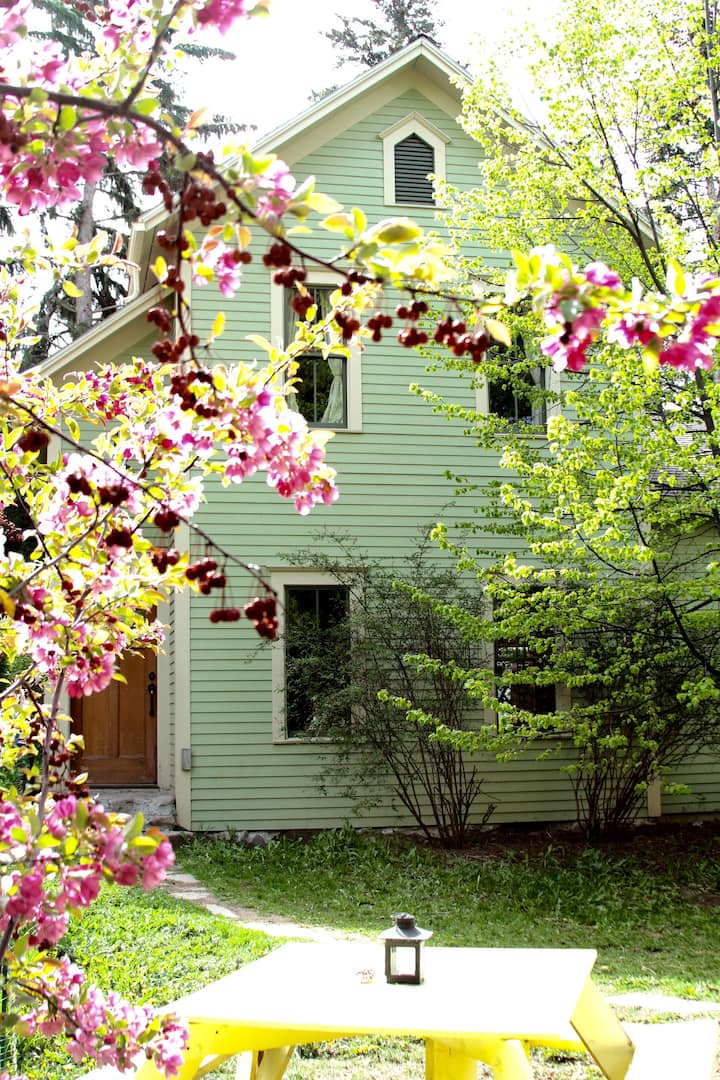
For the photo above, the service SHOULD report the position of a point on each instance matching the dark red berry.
(33, 441)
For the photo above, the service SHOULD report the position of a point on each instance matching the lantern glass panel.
(404, 960)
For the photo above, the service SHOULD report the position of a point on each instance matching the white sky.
(280, 59)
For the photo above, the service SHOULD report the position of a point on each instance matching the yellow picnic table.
(486, 1005)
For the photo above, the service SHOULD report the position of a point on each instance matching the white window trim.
(278, 580)
(354, 364)
(413, 124)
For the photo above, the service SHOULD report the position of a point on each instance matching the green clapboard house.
(207, 719)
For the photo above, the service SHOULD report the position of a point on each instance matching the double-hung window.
(328, 387)
(321, 393)
(516, 393)
(311, 655)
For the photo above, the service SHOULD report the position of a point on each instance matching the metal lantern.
(403, 950)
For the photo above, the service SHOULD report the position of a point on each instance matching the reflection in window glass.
(316, 651)
(511, 658)
(518, 397)
(321, 395)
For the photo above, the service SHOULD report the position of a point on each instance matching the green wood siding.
(702, 777)
(392, 484)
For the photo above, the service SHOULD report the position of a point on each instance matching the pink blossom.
(26, 894)
(89, 674)
(568, 348)
(59, 815)
(127, 874)
(280, 186)
(597, 273)
(215, 255)
(221, 13)
(631, 330)
(686, 355)
(10, 822)
(155, 865)
(13, 19)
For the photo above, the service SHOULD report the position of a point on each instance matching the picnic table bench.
(474, 1005)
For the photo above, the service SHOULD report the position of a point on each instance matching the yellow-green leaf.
(160, 268)
(499, 332)
(219, 324)
(71, 289)
(397, 232)
(339, 223)
(67, 118)
(185, 162)
(146, 106)
(323, 204)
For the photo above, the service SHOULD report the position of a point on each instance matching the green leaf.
(323, 204)
(675, 278)
(396, 232)
(359, 219)
(342, 223)
(143, 843)
(499, 332)
(134, 827)
(185, 162)
(261, 342)
(71, 289)
(160, 268)
(67, 118)
(146, 106)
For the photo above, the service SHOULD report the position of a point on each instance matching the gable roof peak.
(419, 55)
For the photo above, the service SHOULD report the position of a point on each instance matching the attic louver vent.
(414, 159)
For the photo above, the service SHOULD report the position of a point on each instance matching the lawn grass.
(652, 913)
(149, 948)
(653, 920)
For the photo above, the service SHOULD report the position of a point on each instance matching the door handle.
(152, 693)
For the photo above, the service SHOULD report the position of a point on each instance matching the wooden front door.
(119, 726)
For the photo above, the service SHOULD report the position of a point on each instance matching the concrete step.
(157, 805)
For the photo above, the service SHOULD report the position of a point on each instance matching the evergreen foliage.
(368, 41)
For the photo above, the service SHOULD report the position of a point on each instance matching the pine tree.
(368, 42)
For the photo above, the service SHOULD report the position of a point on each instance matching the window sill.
(301, 740)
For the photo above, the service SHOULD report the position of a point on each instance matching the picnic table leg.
(446, 1063)
(512, 1061)
(508, 1059)
(602, 1033)
(263, 1064)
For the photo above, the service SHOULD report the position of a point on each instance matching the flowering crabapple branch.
(38, 436)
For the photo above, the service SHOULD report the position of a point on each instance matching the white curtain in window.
(335, 409)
